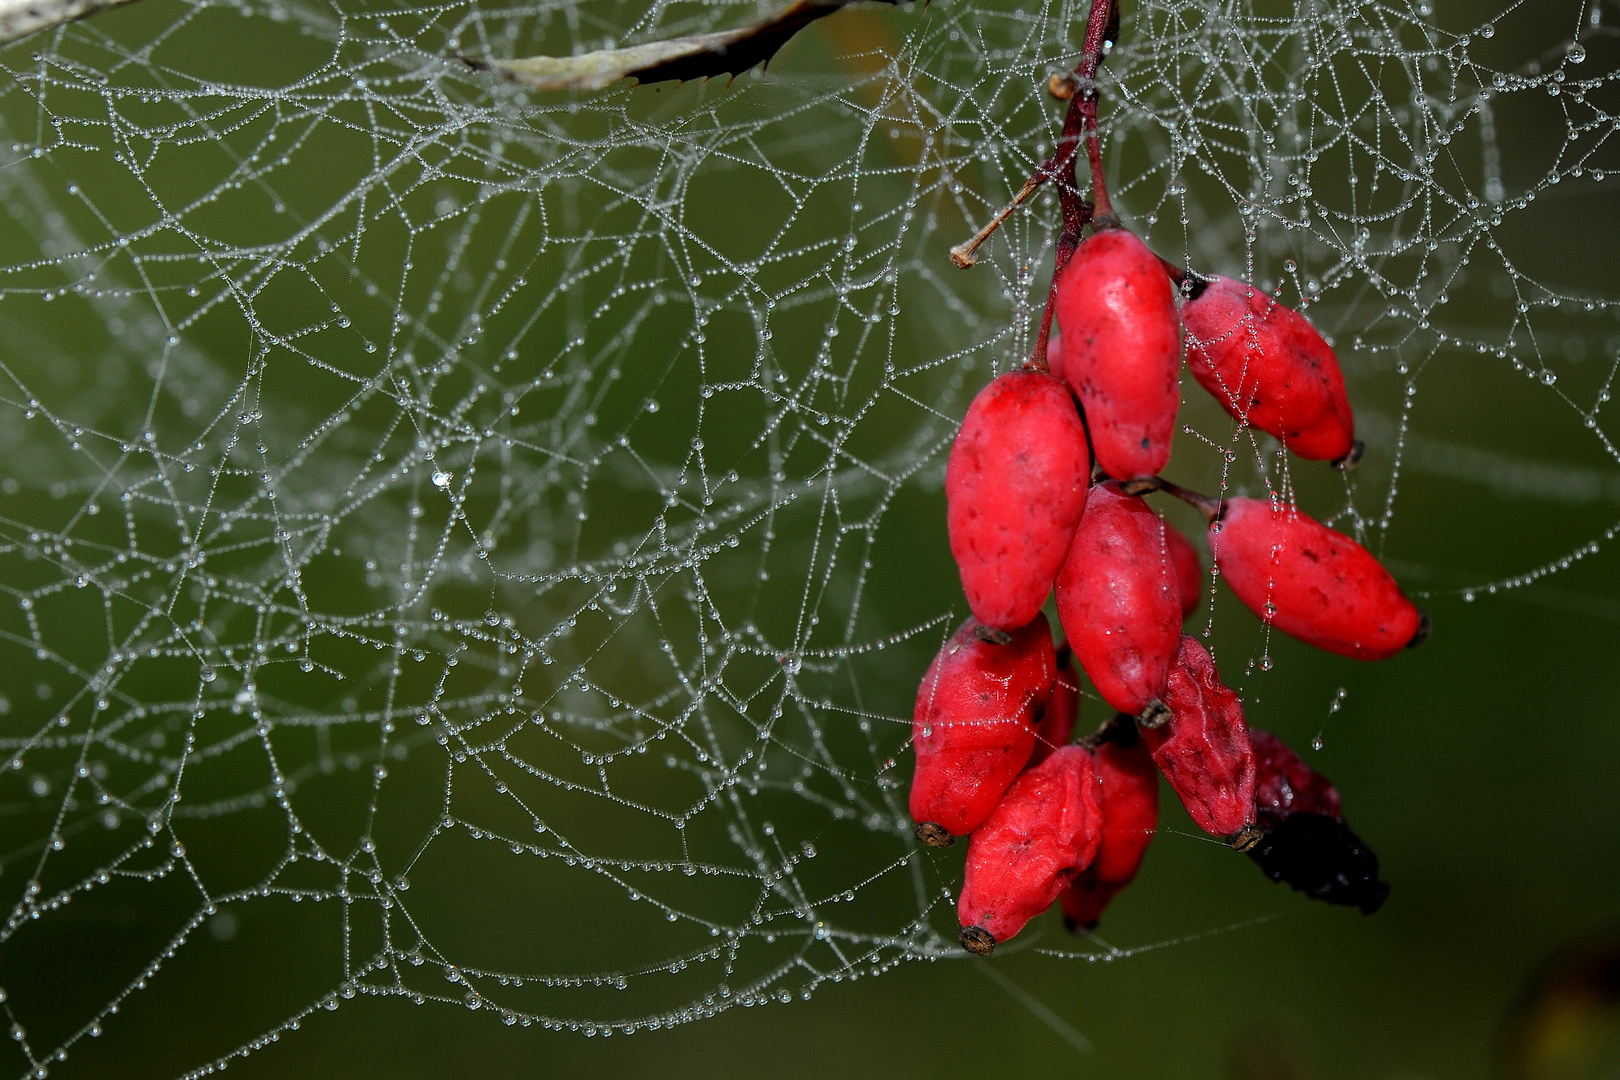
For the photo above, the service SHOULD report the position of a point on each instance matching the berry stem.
(1080, 90)
(1204, 504)
(1104, 18)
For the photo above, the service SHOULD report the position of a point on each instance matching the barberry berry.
(1015, 487)
(1046, 829)
(1130, 809)
(1203, 748)
(1119, 599)
(1056, 727)
(1122, 350)
(1318, 855)
(1311, 582)
(974, 725)
(1285, 785)
(1267, 366)
(1305, 841)
(1189, 569)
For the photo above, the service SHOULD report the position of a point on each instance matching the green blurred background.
(1479, 767)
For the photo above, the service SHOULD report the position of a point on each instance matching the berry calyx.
(1312, 582)
(1046, 829)
(1119, 599)
(1015, 487)
(1121, 354)
(1270, 368)
(974, 726)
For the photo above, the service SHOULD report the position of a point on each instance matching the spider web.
(478, 534)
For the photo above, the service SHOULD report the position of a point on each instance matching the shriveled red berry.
(1189, 569)
(1015, 486)
(1122, 350)
(1285, 785)
(1062, 709)
(1203, 749)
(974, 725)
(1305, 841)
(1311, 582)
(1130, 809)
(1045, 830)
(1267, 365)
(1119, 599)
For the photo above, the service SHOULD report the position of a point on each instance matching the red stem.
(1208, 506)
(1097, 24)
(1080, 121)
(1081, 117)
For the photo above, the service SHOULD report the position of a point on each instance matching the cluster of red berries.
(1029, 511)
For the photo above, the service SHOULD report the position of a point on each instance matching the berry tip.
(1421, 634)
(1157, 714)
(1245, 838)
(977, 940)
(991, 636)
(932, 834)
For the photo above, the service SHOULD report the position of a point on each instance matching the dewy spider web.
(472, 535)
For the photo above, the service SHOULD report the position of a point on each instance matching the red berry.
(1204, 750)
(1015, 486)
(974, 726)
(1119, 599)
(1267, 365)
(1286, 785)
(1311, 582)
(1189, 569)
(1062, 708)
(1054, 356)
(1122, 350)
(1045, 830)
(1130, 808)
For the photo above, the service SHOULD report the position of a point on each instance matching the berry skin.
(1311, 582)
(1015, 486)
(1119, 599)
(1062, 709)
(974, 725)
(1189, 568)
(1285, 785)
(1046, 829)
(1267, 365)
(1130, 808)
(1054, 356)
(1122, 350)
(1204, 749)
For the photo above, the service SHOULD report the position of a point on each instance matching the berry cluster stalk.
(1080, 88)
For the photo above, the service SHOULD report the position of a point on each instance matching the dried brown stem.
(963, 255)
